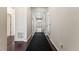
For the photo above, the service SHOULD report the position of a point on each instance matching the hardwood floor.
(10, 43)
(20, 45)
(39, 43)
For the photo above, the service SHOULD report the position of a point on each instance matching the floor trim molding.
(29, 36)
(51, 44)
(29, 40)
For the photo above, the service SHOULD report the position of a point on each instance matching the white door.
(38, 25)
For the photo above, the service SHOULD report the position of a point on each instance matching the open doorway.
(9, 24)
(10, 28)
(39, 25)
(39, 19)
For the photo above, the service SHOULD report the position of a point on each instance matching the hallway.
(39, 43)
(39, 29)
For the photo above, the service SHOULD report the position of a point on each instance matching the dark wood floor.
(39, 43)
(20, 45)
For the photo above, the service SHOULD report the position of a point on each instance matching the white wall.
(21, 24)
(48, 24)
(65, 28)
(23, 28)
(29, 22)
(3, 28)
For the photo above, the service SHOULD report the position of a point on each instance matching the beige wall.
(3, 28)
(29, 22)
(65, 28)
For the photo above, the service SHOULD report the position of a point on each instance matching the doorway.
(39, 25)
(8, 25)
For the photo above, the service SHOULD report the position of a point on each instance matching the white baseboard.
(53, 44)
(29, 36)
